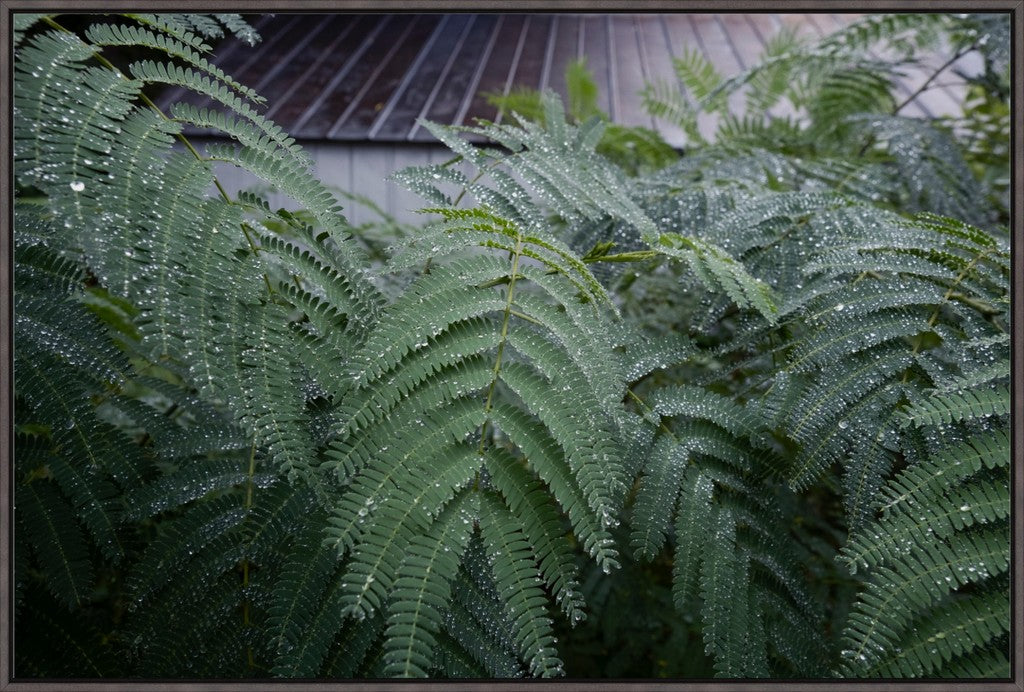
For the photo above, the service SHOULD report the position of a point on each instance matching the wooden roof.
(370, 77)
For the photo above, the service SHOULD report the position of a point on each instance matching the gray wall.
(358, 168)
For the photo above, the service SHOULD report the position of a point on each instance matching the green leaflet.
(186, 537)
(401, 517)
(693, 402)
(299, 601)
(121, 35)
(375, 485)
(926, 480)
(725, 613)
(447, 295)
(975, 622)
(546, 460)
(351, 648)
(526, 499)
(558, 164)
(592, 461)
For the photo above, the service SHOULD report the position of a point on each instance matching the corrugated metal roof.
(370, 77)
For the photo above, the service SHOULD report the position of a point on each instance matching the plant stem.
(668, 431)
(928, 83)
(637, 256)
(504, 337)
(938, 308)
(245, 561)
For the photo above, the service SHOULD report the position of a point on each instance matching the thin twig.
(928, 83)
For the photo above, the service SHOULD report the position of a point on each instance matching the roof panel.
(399, 115)
(324, 62)
(382, 82)
(371, 76)
(499, 69)
(375, 47)
(530, 70)
(564, 47)
(630, 78)
(454, 84)
(595, 50)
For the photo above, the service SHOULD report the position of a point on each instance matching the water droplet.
(77, 185)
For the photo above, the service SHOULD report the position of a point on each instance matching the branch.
(928, 83)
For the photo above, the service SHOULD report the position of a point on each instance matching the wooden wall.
(360, 168)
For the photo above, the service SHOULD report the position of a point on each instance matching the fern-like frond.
(280, 425)
(870, 30)
(840, 336)
(208, 603)
(919, 482)
(477, 595)
(423, 588)
(123, 35)
(546, 460)
(557, 162)
(981, 501)
(302, 653)
(658, 489)
(375, 484)
(444, 296)
(782, 355)
(171, 74)
(953, 406)
(473, 640)
(299, 599)
(768, 87)
(695, 402)
(923, 578)
(21, 22)
(592, 458)
(192, 482)
(89, 457)
(526, 499)
(59, 543)
(174, 26)
(694, 515)
(664, 100)
(992, 662)
(351, 651)
(699, 76)
(930, 164)
(515, 576)
(718, 270)
(974, 623)
(181, 539)
(728, 621)
(481, 227)
(402, 515)
(845, 91)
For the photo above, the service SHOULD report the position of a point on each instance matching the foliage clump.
(742, 412)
